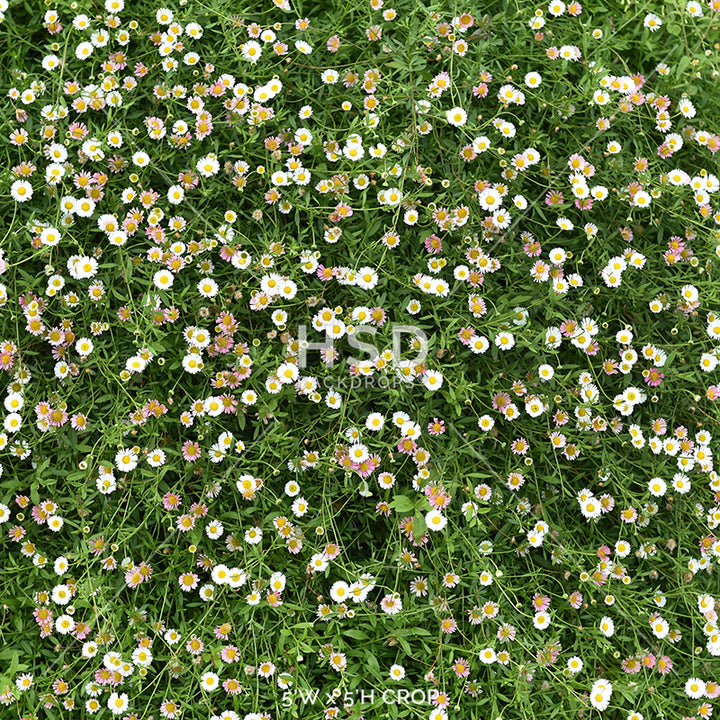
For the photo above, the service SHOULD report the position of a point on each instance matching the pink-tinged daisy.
(629, 515)
(194, 645)
(171, 501)
(188, 581)
(506, 633)
(654, 377)
(191, 451)
(391, 604)
(222, 632)
(232, 686)
(266, 669)
(230, 654)
(540, 603)
(170, 709)
(436, 427)
(133, 577)
(448, 625)
(461, 667)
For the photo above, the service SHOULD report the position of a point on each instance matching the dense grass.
(217, 502)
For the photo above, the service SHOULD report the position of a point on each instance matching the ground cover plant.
(359, 359)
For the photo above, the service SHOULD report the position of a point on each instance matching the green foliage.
(359, 361)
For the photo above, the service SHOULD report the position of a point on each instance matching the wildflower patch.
(359, 359)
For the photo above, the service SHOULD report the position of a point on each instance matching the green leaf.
(419, 526)
(357, 634)
(373, 664)
(405, 645)
(402, 504)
